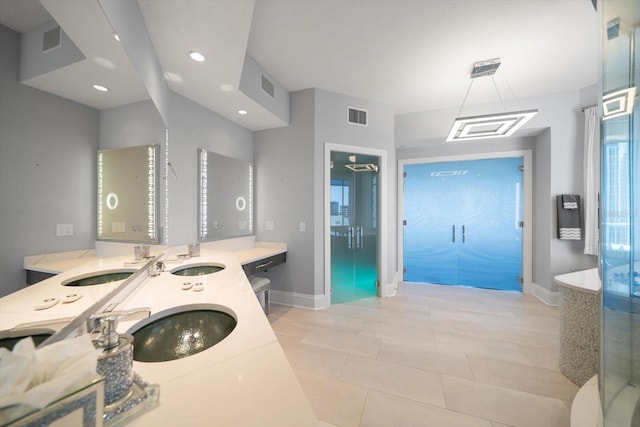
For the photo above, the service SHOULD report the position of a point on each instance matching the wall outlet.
(269, 226)
(302, 227)
(64, 230)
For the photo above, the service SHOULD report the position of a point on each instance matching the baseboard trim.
(295, 299)
(316, 302)
(545, 295)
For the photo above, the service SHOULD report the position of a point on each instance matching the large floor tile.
(405, 332)
(385, 410)
(347, 342)
(324, 318)
(532, 379)
(457, 343)
(291, 328)
(394, 379)
(504, 405)
(417, 355)
(357, 312)
(335, 402)
(313, 359)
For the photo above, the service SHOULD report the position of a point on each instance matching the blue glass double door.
(463, 223)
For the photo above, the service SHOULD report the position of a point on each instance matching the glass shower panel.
(619, 376)
(463, 223)
(354, 226)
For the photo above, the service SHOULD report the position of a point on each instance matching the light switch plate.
(269, 225)
(118, 227)
(302, 227)
(64, 230)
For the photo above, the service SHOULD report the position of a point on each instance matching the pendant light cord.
(465, 98)
(511, 89)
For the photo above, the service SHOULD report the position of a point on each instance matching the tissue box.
(82, 407)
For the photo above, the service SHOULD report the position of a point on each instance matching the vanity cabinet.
(264, 264)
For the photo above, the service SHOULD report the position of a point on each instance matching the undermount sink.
(99, 278)
(172, 335)
(198, 269)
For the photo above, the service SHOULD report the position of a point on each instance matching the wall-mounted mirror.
(127, 200)
(225, 207)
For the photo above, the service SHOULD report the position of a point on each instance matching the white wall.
(47, 169)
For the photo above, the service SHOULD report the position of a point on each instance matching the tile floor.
(429, 356)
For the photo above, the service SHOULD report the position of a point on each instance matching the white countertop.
(583, 280)
(245, 380)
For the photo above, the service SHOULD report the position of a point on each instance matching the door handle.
(464, 234)
(350, 238)
(359, 239)
(453, 233)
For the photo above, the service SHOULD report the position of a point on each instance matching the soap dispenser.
(115, 363)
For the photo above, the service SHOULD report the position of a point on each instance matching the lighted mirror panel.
(225, 207)
(127, 194)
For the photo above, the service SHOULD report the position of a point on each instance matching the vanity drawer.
(264, 264)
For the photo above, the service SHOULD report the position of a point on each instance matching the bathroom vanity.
(243, 380)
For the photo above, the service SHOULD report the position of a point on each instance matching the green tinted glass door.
(354, 229)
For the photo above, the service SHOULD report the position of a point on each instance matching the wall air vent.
(267, 86)
(50, 39)
(356, 117)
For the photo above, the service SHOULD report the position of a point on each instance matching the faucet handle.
(107, 323)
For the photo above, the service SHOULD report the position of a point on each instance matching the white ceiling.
(410, 55)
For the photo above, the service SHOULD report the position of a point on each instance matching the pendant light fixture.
(487, 126)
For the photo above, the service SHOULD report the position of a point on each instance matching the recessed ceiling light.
(225, 87)
(115, 36)
(197, 56)
(100, 88)
(242, 112)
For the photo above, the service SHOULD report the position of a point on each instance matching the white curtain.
(591, 179)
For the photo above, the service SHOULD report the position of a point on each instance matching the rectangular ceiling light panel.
(488, 126)
(618, 103)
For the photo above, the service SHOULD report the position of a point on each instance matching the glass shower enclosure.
(354, 226)
(619, 377)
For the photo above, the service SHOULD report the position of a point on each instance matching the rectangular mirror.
(127, 202)
(226, 197)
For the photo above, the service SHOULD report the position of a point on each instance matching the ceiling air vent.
(267, 86)
(357, 117)
(50, 39)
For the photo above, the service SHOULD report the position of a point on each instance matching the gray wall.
(290, 180)
(284, 189)
(331, 127)
(192, 127)
(557, 163)
(47, 169)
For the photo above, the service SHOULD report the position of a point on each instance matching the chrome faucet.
(156, 269)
